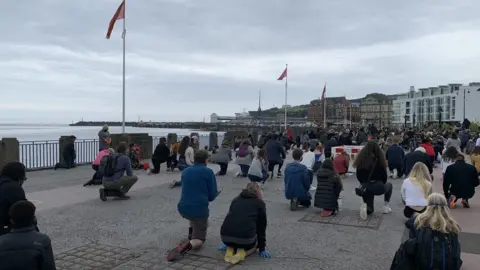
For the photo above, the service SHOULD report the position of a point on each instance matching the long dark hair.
(476, 150)
(184, 144)
(454, 135)
(450, 154)
(369, 154)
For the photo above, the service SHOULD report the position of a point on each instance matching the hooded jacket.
(329, 187)
(297, 182)
(103, 137)
(246, 221)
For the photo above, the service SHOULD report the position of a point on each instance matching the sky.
(186, 59)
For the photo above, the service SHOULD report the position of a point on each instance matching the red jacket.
(340, 162)
(428, 148)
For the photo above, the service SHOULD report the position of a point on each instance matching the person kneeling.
(113, 167)
(297, 182)
(24, 247)
(243, 230)
(329, 187)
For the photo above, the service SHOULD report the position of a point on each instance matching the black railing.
(40, 155)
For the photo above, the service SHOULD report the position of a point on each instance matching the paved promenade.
(136, 234)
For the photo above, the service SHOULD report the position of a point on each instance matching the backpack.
(436, 250)
(243, 151)
(108, 164)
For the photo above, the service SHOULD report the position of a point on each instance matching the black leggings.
(272, 163)
(377, 188)
(409, 212)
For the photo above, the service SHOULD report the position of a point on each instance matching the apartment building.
(445, 103)
(377, 109)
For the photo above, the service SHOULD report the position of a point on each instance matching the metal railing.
(40, 155)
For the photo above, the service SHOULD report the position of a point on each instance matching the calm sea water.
(42, 133)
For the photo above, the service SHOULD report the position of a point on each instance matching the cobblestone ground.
(87, 233)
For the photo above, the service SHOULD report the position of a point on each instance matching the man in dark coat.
(11, 191)
(460, 181)
(275, 155)
(419, 155)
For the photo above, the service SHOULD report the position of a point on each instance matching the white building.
(427, 105)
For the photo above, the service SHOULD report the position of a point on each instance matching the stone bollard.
(171, 139)
(9, 151)
(213, 140)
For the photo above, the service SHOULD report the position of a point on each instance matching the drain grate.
(157, 261)
(346, 218)
(93, 256)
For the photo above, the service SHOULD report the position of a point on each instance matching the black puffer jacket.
(329, 187)
(246, 219)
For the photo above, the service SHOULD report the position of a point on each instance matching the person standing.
(12, 177)
(104, 138)
(199, 188)
(460, 181)
(371, 169)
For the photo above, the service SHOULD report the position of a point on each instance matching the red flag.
(284, 75)
(119, 14)
(324, 91)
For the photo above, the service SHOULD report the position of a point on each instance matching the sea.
(54, 132)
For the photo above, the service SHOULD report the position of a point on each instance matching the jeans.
(223, 168)
(244, 169)
(257, 179)
(399, 168)
(310, 174)
(156, 165)
(377, 188)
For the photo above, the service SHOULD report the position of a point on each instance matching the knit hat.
(421, 149)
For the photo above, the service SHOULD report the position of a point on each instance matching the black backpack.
(108, 165)
(436, 250)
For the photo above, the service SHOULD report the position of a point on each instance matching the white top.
(412, 194)
(477, 143)
(189, 153)
(308, 159)
(445, 165)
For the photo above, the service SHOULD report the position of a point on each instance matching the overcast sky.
(186, 59)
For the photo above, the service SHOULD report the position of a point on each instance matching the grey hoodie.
(102, 136)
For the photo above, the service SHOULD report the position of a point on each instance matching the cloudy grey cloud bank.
(188, 58)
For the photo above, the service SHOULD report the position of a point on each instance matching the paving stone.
(345, 218)
(93, 256)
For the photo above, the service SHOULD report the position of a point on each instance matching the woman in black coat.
(243, 230)
(329, 187)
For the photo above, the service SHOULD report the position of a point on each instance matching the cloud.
(187, 59)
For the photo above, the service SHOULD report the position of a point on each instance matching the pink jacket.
(99, 156)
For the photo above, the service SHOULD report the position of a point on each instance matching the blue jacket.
(275, 151)
(199, 187)
(297, 182)
(395, 155)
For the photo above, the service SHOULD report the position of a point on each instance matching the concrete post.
(171, 139)
(9, 151)
(213, 140)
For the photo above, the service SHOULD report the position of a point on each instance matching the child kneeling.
(243, 230)
(297, 182)
(329, 187)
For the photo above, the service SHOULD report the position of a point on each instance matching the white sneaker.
(363, 211)
(387, 209)
(395, 174)
(312, 188)
(238, 174)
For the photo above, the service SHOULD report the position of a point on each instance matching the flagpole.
(123, 92)
(325, 107)
(286, 90)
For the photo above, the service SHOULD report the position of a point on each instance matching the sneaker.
(174, 184)
(228, 255)
(169, 170)
(387, 209)
(239, 256)
(238, 174)
(293, 205)
(395, 174)
(103, 197)
(451, 201)
(358, 192)
(363, 211)
(312, 188)
(326, 213)
(279, 175)
(180, 250)
(123, 196)
(465, 204)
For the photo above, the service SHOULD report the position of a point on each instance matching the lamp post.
(465, 92)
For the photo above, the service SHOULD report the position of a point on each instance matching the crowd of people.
(382, 156)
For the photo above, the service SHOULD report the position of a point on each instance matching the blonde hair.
(111, 150)
(420, 176)
(437, 216)
(254, 188)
